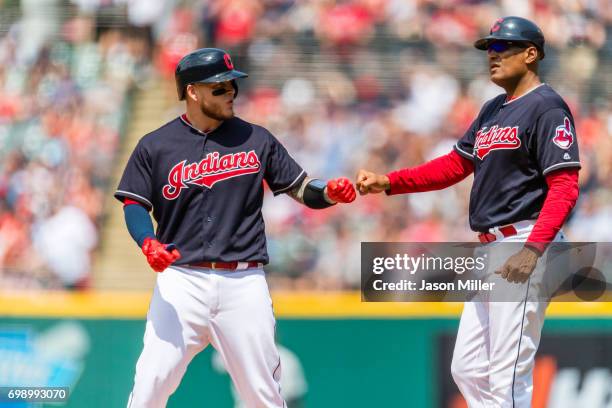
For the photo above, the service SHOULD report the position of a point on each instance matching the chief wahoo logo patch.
(563, 135)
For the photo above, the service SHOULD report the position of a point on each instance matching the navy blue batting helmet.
(513, 29)
(207, 65)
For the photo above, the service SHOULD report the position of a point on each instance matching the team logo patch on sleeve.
(209, 171)
(563, 135)
(496, 138)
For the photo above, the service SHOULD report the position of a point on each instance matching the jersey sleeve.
(136, 182)
(556, 145)
(282, 172)
(465, 145)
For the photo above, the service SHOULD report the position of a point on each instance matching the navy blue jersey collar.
(186, 122)
(525, 94)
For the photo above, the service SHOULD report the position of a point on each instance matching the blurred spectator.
(65, 241)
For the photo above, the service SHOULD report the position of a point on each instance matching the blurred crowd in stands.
(375, 84)
(64, 82)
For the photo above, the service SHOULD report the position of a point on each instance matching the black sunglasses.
(220, 91)
(501, 46)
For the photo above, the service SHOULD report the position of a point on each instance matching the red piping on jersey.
(436, 174)
(562, 195)
(128, 201)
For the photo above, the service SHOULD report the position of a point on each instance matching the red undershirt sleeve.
(436, 174)
(129, 201)
(561, 198)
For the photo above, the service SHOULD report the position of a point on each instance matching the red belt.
(232, 266)
(507, 231)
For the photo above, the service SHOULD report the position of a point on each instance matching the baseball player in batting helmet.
(202, 177)
(523, 152)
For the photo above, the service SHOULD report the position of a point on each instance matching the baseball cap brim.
(224, 76)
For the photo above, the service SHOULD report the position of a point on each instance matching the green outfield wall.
(342, 362)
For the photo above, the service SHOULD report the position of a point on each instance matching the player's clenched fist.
(341, 190)
(368, 182)
(157, 255)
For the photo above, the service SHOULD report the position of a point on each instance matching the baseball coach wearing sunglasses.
(523, 152)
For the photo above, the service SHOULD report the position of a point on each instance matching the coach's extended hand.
(369, 182)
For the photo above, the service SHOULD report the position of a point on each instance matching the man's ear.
(532, 55)
(190, 92)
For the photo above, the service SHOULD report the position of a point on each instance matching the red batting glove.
(157, 256)
(341, 190)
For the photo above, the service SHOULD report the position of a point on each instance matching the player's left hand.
(519, 267)
(159, 256)
(341, 190)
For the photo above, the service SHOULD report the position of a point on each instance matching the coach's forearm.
(561, 198)
(436, 174)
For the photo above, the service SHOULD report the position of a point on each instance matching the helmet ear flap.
(235, 85)
(181, 87)
(183, 91)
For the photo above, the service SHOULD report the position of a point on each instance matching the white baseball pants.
(497, 341)
(192, 307)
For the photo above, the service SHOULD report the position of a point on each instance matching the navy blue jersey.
(206, 190)
(513, 146)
